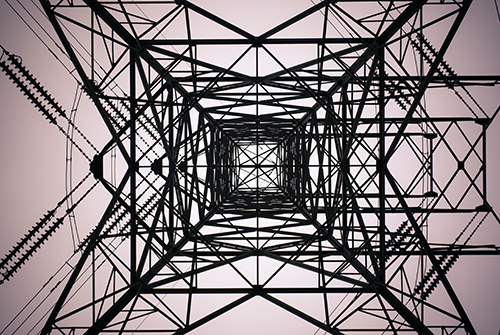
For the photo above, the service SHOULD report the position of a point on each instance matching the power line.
(39, 37)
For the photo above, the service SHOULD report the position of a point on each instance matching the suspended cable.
(37, 235)
(69, 166)
(40, 38)
(36, 93)
(118, 215)
(45, 286)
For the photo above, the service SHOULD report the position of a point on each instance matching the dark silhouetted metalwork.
(303, 160)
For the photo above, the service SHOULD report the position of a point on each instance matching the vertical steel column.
(171, 167)
(133, 169)
(344, 165)
(484, 127)
(381, 162)
(257, 128)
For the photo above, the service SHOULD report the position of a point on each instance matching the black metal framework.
(281, 164)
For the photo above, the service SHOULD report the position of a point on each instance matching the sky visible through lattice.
(33, 160)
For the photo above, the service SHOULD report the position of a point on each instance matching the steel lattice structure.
(301, 162)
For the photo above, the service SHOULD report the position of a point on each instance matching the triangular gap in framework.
(256, 316)
(226, 275)
(311, 26)
(167, 21)
(353, 25)
(203, 27)
(142, 18)
(352, 310)
(287, 56)
(228, 58)
(286, 272)
(213, 66)
(154, 311)
(245, 15)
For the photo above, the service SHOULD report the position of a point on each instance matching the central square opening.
(258, 165)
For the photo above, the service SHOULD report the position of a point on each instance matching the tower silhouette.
(299, 167)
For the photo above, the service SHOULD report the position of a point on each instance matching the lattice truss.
(301, 167)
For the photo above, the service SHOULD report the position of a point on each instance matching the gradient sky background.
(32, 156)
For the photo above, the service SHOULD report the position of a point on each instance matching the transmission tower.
(301, 167)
